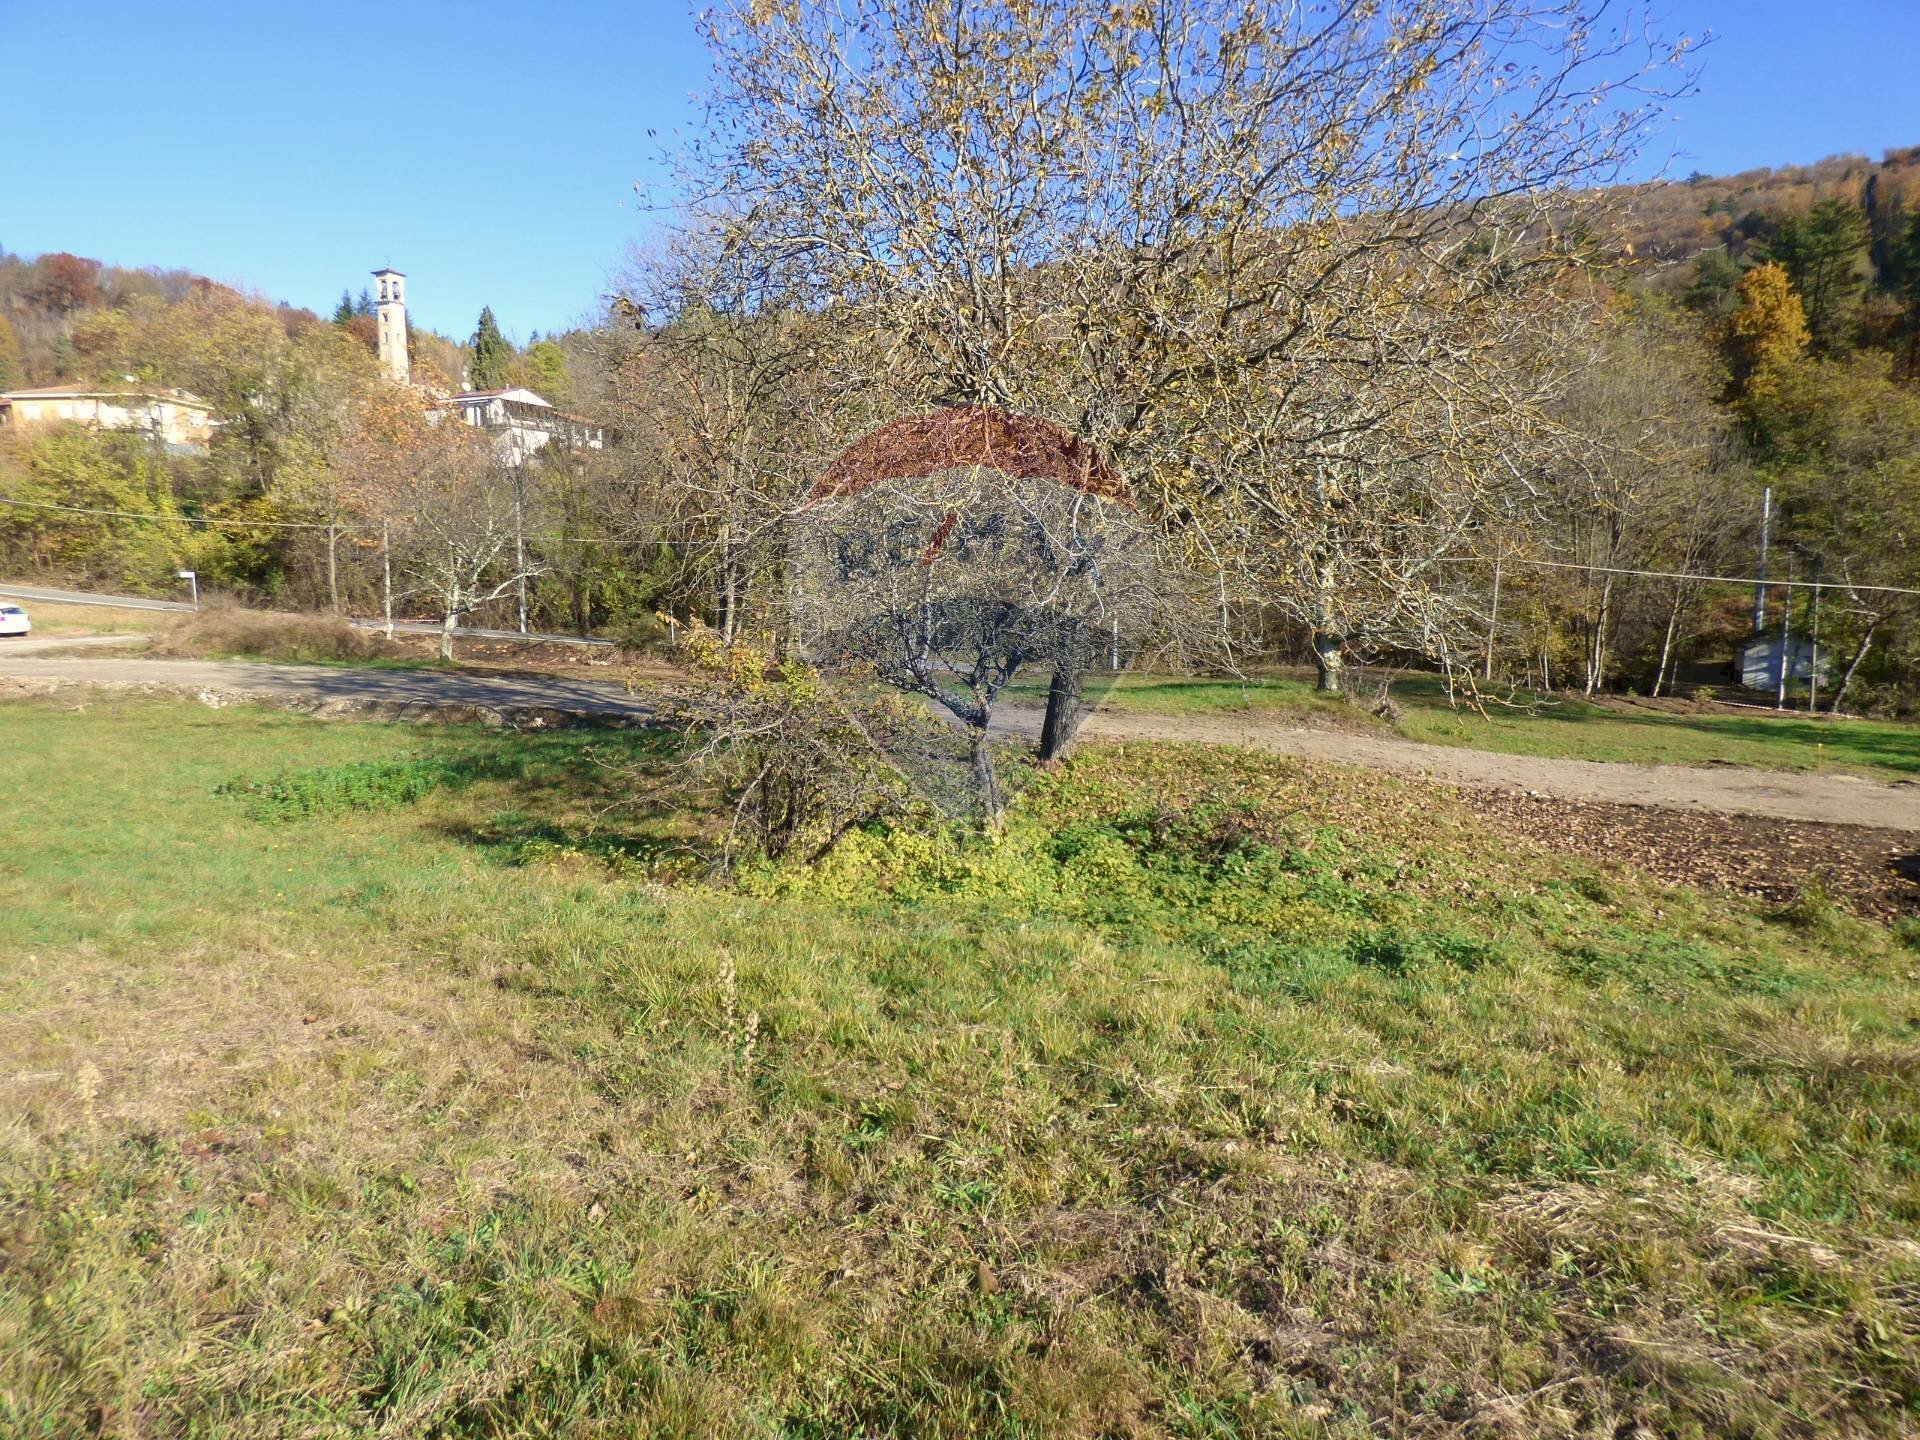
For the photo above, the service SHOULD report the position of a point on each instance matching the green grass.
(1550, 726)
(1218, 1096)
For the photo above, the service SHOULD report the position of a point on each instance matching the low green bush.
(358, 786)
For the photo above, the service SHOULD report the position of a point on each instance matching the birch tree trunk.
(1666, 645)
(1866, 643)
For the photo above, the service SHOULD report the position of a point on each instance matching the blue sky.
(491, 151)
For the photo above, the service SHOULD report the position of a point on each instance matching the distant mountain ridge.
(1676, 220)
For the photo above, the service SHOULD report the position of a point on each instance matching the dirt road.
(1729, 790)
(1723, 790)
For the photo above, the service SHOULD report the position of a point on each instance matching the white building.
(180, 421)
(523, 424)
(1756, 660)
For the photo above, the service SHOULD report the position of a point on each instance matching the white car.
(14, 621)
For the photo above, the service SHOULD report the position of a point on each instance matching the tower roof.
(389, 270)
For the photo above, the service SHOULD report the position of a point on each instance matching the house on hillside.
(180, 421)
(522, 423)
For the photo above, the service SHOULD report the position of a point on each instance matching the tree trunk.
(1493, 616)
(1328, 660)
(1666, 645)
(333, 569)
(1065, 710)
(1866, 643)
(447, 623)
(1597, 651)
(984, 778)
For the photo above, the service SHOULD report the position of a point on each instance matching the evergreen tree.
(343, 312)
(492, 359)
(1903, 276)
(364, 305)
(1825, 255)
(1716, 277)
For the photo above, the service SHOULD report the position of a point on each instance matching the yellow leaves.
(1769, 330)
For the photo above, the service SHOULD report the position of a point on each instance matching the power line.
(1691, 575)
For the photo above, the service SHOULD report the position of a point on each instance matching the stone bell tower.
(390, 310)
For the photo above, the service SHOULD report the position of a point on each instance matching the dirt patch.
(1873, 872)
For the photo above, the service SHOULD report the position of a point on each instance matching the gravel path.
(1709, 789)
(1728, 790)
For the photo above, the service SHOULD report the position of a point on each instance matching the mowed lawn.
(1556, 726)
(403, 1089)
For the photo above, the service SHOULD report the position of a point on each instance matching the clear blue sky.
(490, 151)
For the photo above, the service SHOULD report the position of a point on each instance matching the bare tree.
(1635, 479)
(1254, 254)
(711, 393)
(454, 515)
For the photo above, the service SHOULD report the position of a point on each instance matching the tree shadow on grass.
(611, 796)
(628, 849)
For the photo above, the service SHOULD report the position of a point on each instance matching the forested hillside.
(1751, 332)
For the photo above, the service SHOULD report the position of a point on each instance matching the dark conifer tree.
(492, 354)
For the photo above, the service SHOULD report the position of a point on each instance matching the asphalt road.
(315, 685)
(82, 597)
(410, 627)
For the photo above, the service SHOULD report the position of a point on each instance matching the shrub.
(223, 629)
(362, 785)
(797, 758)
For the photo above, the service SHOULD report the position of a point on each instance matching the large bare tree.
(711, 386)
(1265, 256)
(451, 515)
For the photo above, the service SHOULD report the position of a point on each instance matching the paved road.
(315, 685)
(1722, 790)
(84, 597)
(411, 627)
(13, 647)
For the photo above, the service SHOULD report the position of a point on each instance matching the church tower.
(390, 308)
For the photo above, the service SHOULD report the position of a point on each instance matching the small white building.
(522, 423)
(180, 421)
(1756, 660)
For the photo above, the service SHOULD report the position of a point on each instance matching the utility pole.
(1786, 646)
(520, 537)
(386, 577)
(1493, 614)
(1813, 669)
(1760, 590)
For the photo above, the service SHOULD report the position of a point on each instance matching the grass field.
(50, 620)
(369, 1080)
(1554, 726)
